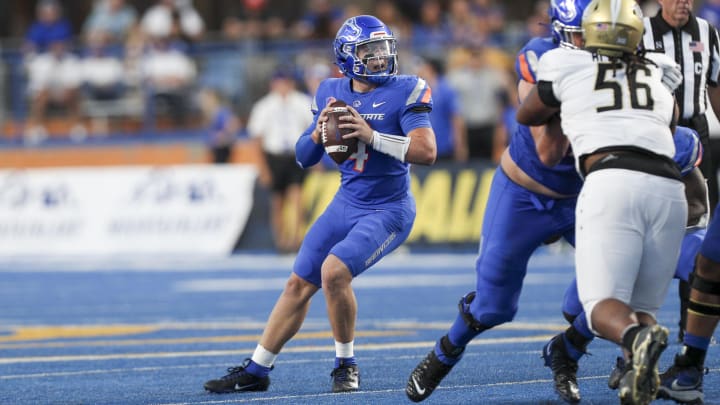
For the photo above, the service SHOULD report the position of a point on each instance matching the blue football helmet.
(566, 20)
(366, 50)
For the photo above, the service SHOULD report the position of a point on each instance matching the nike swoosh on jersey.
(375, 105)
(420, 390)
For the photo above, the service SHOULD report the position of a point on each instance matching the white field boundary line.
(366, 281)
(246, 262)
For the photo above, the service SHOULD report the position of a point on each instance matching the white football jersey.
(602, 106)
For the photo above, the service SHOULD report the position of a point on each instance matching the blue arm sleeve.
(411, 120)
(307, 152)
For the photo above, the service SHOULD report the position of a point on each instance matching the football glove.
(672, 76)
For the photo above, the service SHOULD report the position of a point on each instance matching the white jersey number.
(360, 157)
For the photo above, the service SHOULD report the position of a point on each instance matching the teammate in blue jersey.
(564, 350)
(683, 381)
(372, 212)
(532, 201)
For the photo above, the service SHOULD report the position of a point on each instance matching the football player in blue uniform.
(532, 201)
(373, 211)
(683, 381)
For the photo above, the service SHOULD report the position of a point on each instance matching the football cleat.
(682, 383)
(346, 379)
(238, 380)
(564, 369)
(426, 377)
(640, 383)
(617, 373)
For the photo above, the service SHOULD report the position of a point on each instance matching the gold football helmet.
(612, 27)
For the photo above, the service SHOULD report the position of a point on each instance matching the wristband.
(392, 145)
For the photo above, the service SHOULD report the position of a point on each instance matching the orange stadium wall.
(117, 155)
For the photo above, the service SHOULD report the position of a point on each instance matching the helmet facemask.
(375, 59)
(567, 34)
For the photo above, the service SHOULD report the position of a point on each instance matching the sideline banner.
(189, 209)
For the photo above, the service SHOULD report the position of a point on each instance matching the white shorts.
(629, 227)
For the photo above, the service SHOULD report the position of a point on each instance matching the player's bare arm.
(533, 111)
(550, 143)
(714, 97)
(422, 150)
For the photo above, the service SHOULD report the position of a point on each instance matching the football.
(336, 147)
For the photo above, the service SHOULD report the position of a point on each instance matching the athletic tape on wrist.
(393, 145)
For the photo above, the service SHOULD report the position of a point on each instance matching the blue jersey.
(563, 177)
(397, 107)
(446, 107)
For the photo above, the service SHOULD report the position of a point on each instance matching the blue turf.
(201, 317)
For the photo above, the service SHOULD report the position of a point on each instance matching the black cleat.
(682, 383)
(345, 379)
(238, 380)
(564, 369)
(617, 373)
(426, 377)
(640, 383)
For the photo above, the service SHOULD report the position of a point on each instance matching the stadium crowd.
(142, 66)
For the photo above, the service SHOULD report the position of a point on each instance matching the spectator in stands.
(491, 18)
(710, 11)
(222, 126)
(276, 121)
(174, 18)
(483, 90)
(431, 34)
(54, 79)
(537, 24)
(49, 27)
(114, 17)
(225, 70)
(168, 75)
(446, 118)
(387, 11)
(321, 21)
(465, 24)
(103, 75)
(314, 74)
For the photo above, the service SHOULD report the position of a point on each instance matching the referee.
(693, 43)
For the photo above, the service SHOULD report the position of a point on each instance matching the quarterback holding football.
(372, 213)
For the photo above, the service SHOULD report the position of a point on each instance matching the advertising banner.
(189, 209)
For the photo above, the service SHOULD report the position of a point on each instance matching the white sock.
(263, 357)
(344, 350)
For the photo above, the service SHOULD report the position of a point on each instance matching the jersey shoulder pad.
(688, 149)
(417, 90)
(526, 62)
(326, 89)
(560, 62)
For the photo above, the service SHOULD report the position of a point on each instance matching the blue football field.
(151, 330)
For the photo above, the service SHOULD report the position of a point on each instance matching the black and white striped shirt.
(695, 48)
